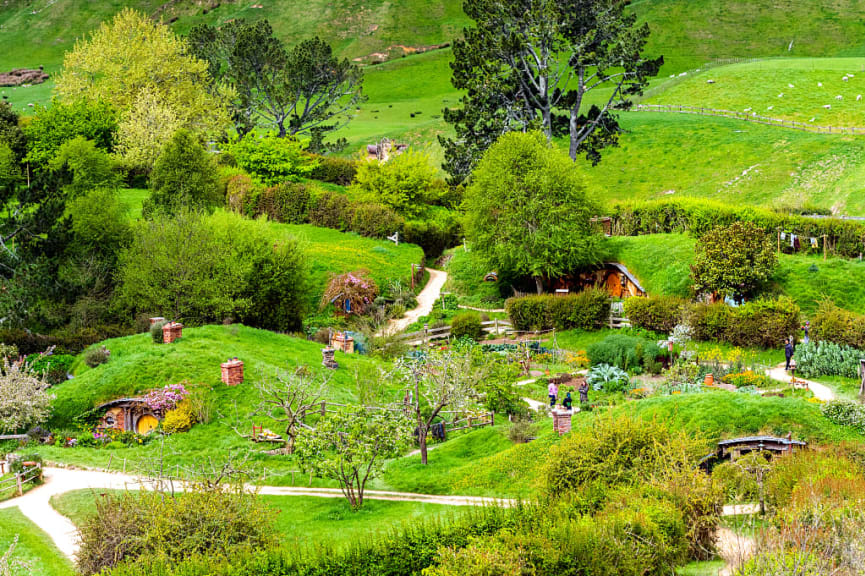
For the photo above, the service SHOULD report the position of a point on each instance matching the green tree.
(88, 167)
(305, 90)
(527, 210)
(733, 261)
(406, 182)
(184, 176)
(138, 66)
(271, 159)
(351, 447)
(530, 63)
(51, 127)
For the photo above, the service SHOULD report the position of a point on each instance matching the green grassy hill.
(34, 546)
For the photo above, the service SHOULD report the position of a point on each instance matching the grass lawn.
(765, 84)
(785, 168)
(34, 546)
(303, 520)
(709, 568)
(661, 262)
(138, 365)
(845, 388)
(466, 273)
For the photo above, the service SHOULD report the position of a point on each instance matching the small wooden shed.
(613, 277)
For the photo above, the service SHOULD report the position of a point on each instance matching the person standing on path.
(553, 391)
(584, 392)
(807, 329)
(788, 352)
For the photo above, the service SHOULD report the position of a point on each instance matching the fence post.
(497, 326)
(18, 483)
(110, 456)
(425, 334)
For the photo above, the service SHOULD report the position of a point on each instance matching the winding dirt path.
(425, 301)
(821, 391)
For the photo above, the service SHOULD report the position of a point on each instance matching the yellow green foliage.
(180, 419)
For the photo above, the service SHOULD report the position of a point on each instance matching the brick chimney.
(232, 372)
(171, 332)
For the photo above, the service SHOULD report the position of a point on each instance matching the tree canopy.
(146, 73)
(184, 176)
(527, 211)
(529, 64)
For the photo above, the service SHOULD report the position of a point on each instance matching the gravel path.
(36, 505)
(821, 391)
(425, 301)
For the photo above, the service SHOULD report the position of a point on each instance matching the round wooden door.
(147, 424)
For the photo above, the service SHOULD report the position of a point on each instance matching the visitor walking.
(553, 391)
(788, 352)
(807, 329)
(568, 402)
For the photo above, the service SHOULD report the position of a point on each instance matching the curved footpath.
(425, 301)
(821, 391)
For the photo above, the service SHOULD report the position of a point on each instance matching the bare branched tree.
(288, 397)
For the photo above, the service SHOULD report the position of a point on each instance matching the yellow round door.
(147, 423)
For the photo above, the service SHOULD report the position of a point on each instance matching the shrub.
(826, 358)
(287, 202)
(845, 413)
(184, 176)
(733, 260)
(655, 313)
(588, 310)
(272, 160)
(747, 378)
(96, 356)
(54, 368)
(180, 419)
(480, 558)
(331, 210)
(607, 378)
(239, 193)
(334, 169)
(375, 220)
(433, 237)
(838, 325)
(156, 332)
(404, 183)
(467, 324)
(352, 292)
(738, 484)
(759, 323)
(625, 352)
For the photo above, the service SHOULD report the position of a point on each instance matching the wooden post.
(110, 456)
(425, 333)
(19, 484)
(492, 419)
(779, 240)
(824, 246)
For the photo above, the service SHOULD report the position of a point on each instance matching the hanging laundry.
(783, 235)
(796, 245)
(813, 242)
(792, 240)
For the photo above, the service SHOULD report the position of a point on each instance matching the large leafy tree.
(532, 63)
(303, 90)
(527, 210)
(184, 176)
(143, 70)
(733, 261)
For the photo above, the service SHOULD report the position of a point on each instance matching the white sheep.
(827, 106)
(781, 95)
(812, 119)
(859, 97)
(839, 97)
(747, 110)
(850, 75)
(770, 107)
(844, 79)
(790, 86)
(819, 84)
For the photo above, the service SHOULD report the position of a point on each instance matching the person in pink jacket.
(553, 391)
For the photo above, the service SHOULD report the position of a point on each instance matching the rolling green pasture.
(34, 546)
(759, 86)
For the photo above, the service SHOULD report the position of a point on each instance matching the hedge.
(759, 323)
(700, 216)
(655, 313)
(838, 325)
(587, 310)
(334, 170)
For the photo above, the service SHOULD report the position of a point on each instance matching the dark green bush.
(760, 323)
(334, 169)
(331, 210)
(96, 356)
(375, 220)
(433, 237)
(53, 367)
(467, 324)
(655, 313)
(156, 332)
(287, 202)
(625, 352)
(838, 325)
(587, 310)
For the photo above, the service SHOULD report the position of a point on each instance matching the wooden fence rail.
(30, 474)
(444, 332)
(749, 117)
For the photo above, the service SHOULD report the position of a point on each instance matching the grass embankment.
(303, 520)
(138, 365)
(34, 546)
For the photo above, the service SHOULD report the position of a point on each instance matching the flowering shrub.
(845, 413)
(165, 399)
(746, 378)
(181, 419)
(351, 292)
(578, 360)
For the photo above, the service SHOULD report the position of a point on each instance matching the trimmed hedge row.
(838, 325)
(587, 310)
(700, 216)
(307, 203)
(763, 323)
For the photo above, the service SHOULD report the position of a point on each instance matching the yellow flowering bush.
(577, 360)
(181, 419)
(746, 378)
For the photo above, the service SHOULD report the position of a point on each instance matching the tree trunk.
(539, 284)
(281, 125)
(574, 132)
(421, 439)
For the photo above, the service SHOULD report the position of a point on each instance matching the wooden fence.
(29, 474)
(749, 117)
(429, 334)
